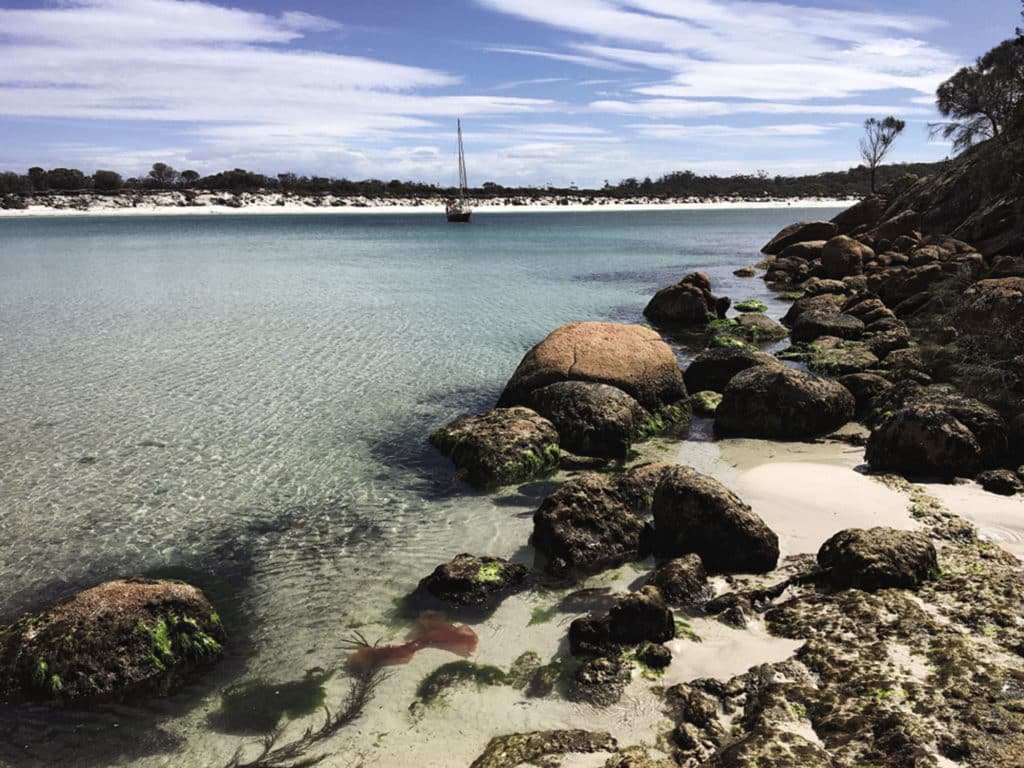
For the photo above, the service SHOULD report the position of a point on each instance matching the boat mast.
(463, 184)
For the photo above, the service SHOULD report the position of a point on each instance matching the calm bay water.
(244, 401)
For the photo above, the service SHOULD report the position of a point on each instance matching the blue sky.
(549, 91)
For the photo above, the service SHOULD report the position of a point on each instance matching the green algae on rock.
(110, 639)
(500, 447)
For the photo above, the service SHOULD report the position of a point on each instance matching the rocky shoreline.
(912, 640)
(911, 643)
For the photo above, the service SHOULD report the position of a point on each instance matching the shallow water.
(244, 401)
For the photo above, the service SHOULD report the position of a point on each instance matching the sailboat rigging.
(460, 210)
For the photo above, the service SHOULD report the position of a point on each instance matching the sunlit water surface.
(244, 401)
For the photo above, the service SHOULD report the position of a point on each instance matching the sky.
(550, 92)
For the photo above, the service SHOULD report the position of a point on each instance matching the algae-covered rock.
(864, 387)
(500, 446)
(599, 682)
(112, 638)
(468, 580)
(695, 513)
(771, 748)
(635, 487)
(782, 404)
(878, 558)
(682, 581)
(585, 526)
(631, 357)
(519, 748)
(591, 419)
(705, 403)
(751, 305)
(849, 358)
(686, 303)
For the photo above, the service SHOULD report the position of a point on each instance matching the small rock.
(654, 656)
(641, 616)
(1000, 481)
(705, 403)
(599, 682)
(468, 580)
(682, 581)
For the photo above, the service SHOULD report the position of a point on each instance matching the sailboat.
(460, 210)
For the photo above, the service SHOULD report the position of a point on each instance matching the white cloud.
(587, 61)
(232, 75)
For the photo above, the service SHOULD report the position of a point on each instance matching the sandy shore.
(172, 204)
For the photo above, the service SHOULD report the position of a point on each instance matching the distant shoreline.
(175, 204)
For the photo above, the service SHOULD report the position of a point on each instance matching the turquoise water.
(244, 400)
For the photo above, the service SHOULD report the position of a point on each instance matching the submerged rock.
(599, 682)
(591, 419)
(110, 639)
(696, 513)
(586, 526)
(500, 446)
(782, 404)
(468, 580)
(878, 558)
(519, 748)
(631, 357)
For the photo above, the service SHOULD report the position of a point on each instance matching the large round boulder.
(878, 558)
(631, 357)
(695, 513)
(689, 302)
(713, 369)
(108, 640)
(585, 526)
(468, 580)
(500, 447)
(864, 214)
(822, 302)
(843, 256)
(591, 419)
(782, 404)
(798, 233)
(924, 439)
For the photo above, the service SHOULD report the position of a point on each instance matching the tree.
(984, 99)
(878, 140)
(188, 178)
(38, 178)
(163, 176)
(66, 179)
(107, 181)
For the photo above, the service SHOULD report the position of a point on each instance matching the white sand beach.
(209, 204)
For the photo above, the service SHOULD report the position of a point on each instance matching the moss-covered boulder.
(695, 513)
(592, 419)
(632, 358)
(682, 581)
(108, 640)
(705, 403)
(878, 558)
(469, 580)
(751, 305)
(864, 387)
(635, 486)
(713, 369)
(757, 328)
(585, 526)
(825, 302)
(782, 404)
(500, 446)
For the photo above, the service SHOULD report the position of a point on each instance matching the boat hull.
(459, 217)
